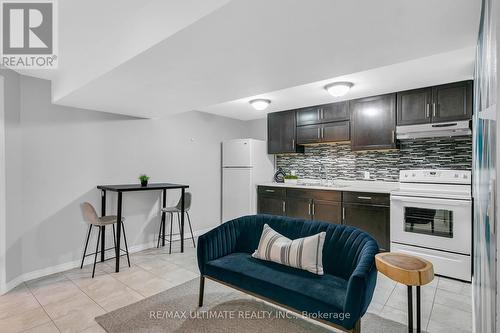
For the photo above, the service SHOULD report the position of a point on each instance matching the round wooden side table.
(408, 270)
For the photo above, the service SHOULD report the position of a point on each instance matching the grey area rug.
(176, 310)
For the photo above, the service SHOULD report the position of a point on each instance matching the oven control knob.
(465, 176)
(413, 175)
(456, 175)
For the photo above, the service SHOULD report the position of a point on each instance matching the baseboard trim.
(4, 288)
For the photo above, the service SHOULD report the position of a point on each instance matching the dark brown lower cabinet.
(373, 219)
(327, 211)
(298, 207)
(271, 205)
(367, 211)
(271, 200)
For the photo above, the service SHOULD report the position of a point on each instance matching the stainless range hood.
(435, 130)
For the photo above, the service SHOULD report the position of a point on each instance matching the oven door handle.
(449, 202)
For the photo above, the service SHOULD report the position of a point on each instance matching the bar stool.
(90, 216)
(171, 210)
(408, 270)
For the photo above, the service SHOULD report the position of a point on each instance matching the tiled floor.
(69, 301)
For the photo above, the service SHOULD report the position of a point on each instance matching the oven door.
(443, 224)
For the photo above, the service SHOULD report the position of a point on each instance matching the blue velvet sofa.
(339, 298)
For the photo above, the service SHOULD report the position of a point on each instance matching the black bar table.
(119, 189)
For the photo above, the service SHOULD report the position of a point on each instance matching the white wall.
(2, 186)
(57, 155)
(258, 128)
(13, 211)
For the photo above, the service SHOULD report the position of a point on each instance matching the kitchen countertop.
(342, 185)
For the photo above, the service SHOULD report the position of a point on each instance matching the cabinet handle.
(365, 198)
(427, 110)
(322, 132)
(319, 133)
(284, 206)
(313, 212)
(393, 136)
(434, 112)
(310, 209)
(322, 114)
(270, 191)
(293, 143)
(343, 214)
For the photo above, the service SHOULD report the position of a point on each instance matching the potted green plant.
(291, 179)
(144, 179)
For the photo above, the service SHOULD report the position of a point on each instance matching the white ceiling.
(422, 72)
(161, 57)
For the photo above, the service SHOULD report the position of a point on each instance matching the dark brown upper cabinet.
(447, 102)
(328, 132)
(373, 121)
(452, 102)
(414, 106)
(281, 133)
(322, 113)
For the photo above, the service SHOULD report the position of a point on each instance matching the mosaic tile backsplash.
(337, 161)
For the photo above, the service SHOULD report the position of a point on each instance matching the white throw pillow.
(303, 253)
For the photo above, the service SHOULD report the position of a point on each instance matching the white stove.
(431, 217)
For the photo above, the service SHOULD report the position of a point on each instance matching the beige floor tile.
(57, 291)
(128, 273)
(94, 329)
(49, 327)
(17, 301)
(24, 321)
(152, 286)
(397, 315)
(454, 286)
(99, 287)
(46, 280)
(144, 282)
(147, 255)
(452, 317)
(453, 300)
(109, 266)
(80, 276)
(382, 293)
(375, 308)
(180, 275)
(193, 267)
(66, 306)
(78, 319)
(439, 327)
(119, 298)
(165, 269)
(153, 263)
(399, 300)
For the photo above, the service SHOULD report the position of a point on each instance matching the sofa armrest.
(361, 284)
(216, 243)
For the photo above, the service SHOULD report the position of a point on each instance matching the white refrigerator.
(245, 163)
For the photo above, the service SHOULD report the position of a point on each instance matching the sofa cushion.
(303, 253)
(293, 287)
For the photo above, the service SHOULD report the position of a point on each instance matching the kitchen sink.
(322, 185)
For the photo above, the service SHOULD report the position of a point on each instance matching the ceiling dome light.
(338, 89)
(260, 104)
